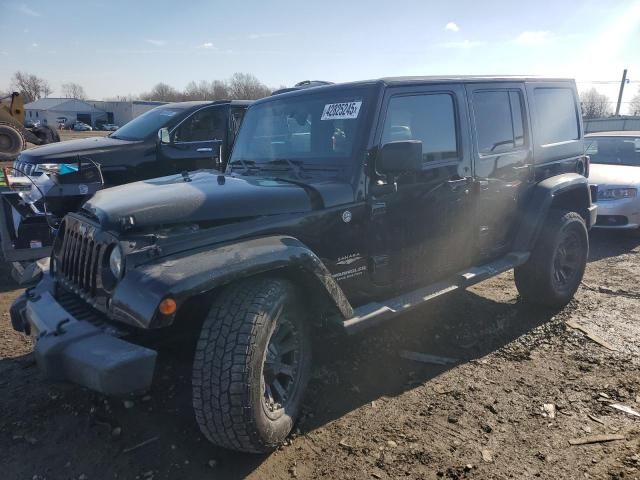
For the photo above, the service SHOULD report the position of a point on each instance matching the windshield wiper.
(296, 168)
(247, 164)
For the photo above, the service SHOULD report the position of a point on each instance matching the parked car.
(343, 205)
(81, 127)
(110, 127)
(172, 138)
(615, 170)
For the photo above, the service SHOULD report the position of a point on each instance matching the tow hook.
(59, 330)
(30, 295)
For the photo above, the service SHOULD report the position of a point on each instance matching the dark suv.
(200, 134)
(344, 204)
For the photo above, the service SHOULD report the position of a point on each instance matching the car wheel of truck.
(11, 142)
(554, 271)
(251, 365)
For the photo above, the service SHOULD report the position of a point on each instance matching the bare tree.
(30, 86)
(594, 104)
(163, 92)
(73, 90)
(634, 106)
(219, 90)
(247, 87)
(198, 91)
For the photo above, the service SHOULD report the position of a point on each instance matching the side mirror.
(163, 136)
(399, 157)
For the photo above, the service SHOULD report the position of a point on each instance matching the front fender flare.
(542, 198)
(136, 299)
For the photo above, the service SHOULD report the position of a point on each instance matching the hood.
(209, 197)
(64, 152)
(615, 175)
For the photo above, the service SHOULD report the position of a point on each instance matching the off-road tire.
(537, 280)
(228, 385)
(12, 141)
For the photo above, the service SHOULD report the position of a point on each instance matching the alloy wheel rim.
(566, 263)
(280, 369)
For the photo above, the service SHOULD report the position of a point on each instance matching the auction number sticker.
(341, 111)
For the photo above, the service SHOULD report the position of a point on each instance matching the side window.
(203, 126)
(556, 112)
(499, 120)
(429, 118)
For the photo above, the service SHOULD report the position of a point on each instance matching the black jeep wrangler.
(345, 204)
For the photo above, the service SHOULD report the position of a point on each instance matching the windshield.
(614, 150)
(146, 124)
(311, 131)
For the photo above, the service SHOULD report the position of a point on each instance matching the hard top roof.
(435, 79)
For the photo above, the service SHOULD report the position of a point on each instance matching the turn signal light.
(167, 306)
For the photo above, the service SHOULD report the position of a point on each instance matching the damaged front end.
(31, 211)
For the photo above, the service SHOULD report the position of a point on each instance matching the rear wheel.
(251, 366)
(12, 142)
(554, 271)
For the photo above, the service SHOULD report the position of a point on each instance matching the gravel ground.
(522, 386)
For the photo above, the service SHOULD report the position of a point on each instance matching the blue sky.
(116, 47)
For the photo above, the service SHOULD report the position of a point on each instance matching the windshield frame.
(620, 138)
(347, 167)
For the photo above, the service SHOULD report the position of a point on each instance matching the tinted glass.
(146, 124)
(556, 114)
(429, 118)
(615, 151)
(203, 126)
(516, 112)
(320, 127)
(499, 122)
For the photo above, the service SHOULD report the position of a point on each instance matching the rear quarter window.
(557, 115)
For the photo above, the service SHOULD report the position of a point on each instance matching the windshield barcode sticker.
(341, 111)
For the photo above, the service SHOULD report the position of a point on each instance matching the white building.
(70, 110)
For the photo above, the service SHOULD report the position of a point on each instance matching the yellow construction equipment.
(13, 134)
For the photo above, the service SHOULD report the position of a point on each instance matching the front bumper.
(624, 214)
(78, 351)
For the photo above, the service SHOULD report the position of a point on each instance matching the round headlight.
(116, 263)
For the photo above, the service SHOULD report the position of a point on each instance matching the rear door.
(418, 231)
(196, 142)
(503, 158)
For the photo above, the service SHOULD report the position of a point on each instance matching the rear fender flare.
(183, 276)
(567, 191)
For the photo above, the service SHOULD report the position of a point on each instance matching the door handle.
(519, 168)
(457, 182)
(205, 149)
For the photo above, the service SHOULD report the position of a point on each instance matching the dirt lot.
(369, 413)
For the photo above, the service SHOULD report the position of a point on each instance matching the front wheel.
(251, 366)
(554, 271)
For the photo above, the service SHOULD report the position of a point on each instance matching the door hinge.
(378, 209)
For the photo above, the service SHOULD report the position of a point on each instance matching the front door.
(418, 230)
(197, 141)
(503, 163)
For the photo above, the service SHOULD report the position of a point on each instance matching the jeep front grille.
(80, 258)
(22, 168)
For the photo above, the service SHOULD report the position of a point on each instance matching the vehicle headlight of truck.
(617, 193)
(48, 167)
(116, 262)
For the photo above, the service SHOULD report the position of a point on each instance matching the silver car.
(615, 169)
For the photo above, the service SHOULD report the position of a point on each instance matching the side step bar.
(376, 312)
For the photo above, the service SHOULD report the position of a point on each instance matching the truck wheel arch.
(569, 191)
(200, 273)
